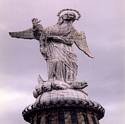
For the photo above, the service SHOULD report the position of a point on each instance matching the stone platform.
(63, 107)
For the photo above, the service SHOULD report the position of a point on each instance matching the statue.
(56, 45)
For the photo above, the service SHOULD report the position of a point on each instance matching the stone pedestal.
(67, 106)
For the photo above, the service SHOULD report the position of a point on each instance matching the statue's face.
(69, 17)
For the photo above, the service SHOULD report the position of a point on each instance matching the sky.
(103, 22)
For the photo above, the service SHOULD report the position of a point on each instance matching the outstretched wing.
(26, 34)
(81, 43)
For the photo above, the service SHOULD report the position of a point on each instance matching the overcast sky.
(20, 60)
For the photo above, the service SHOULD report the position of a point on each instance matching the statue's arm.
(25, 34)
(31, 33)
(59, 39)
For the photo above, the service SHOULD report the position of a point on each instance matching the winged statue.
(56, 44)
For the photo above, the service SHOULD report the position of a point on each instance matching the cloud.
(115, 110)
(12, 105)
(12, 97)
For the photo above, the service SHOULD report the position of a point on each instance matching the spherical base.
(56, 105)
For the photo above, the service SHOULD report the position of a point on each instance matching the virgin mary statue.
(56, 44)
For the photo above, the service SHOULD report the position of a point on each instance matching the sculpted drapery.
(62, 62)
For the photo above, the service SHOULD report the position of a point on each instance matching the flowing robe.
(61, 60)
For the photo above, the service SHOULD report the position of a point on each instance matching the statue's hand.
(37, 28)
(35, 21)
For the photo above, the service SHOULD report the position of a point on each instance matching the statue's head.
(68, 15)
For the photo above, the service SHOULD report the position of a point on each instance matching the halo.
(78, 15)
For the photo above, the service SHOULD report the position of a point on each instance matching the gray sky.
(21, 62)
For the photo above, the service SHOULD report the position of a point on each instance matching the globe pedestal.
(63, 107)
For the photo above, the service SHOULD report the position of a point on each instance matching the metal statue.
(56, 45)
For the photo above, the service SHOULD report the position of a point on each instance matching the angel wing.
(81, 43)
(26, 34)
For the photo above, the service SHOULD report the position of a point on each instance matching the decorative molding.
(63, 99)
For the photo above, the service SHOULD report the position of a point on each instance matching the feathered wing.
(81, 43)
(25, 34)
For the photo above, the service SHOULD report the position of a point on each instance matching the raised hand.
(35, 21)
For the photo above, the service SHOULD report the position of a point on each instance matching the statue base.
(66, 106)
